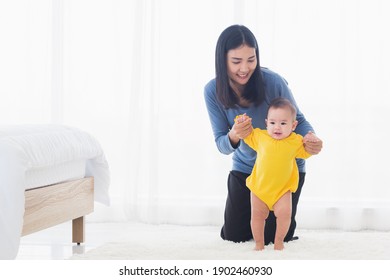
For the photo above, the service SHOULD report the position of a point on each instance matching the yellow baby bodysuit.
(275, 171)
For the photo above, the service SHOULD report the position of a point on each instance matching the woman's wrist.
(234, 140)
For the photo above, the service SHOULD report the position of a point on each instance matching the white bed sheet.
(49, 175)
(29, 152)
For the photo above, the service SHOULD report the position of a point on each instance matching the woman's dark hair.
(231, 38)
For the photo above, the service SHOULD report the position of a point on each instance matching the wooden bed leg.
(78, 230)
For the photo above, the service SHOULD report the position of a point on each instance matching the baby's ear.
(294, 126)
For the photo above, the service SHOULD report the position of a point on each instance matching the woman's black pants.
(236, 226)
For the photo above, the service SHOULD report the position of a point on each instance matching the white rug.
(169, 242)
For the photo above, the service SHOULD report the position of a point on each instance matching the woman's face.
(241, 63)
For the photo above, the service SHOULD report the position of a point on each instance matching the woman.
(243, 87)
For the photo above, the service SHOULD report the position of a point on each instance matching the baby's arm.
(302, 153)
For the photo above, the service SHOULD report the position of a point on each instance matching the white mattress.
(49, 175)
(38, 155)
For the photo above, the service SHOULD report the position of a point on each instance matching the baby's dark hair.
(281, 102)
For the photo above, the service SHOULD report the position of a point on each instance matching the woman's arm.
(227, 134)
(312, 143)
(219, 122)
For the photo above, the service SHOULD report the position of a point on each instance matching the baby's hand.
(241, 129)
(241, 118)
(310, 137)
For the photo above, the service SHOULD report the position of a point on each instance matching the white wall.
(132, 74)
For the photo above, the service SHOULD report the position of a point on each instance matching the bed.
(49, 174)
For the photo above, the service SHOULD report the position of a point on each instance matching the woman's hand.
(312, 144)
(242, 128)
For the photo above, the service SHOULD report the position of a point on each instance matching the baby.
(275, 174)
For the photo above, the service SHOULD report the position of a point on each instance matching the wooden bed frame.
(55, 204)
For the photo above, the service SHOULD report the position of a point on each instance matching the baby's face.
(280, 123)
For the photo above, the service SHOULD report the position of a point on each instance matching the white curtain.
(132, 74)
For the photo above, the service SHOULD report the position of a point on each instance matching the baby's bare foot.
(259, 247)
(279, 246)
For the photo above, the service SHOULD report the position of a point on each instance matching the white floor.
(56, 243)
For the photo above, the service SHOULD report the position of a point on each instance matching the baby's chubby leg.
(259, 213)
(282, 210)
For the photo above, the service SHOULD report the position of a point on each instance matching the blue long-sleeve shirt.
(222, 119)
